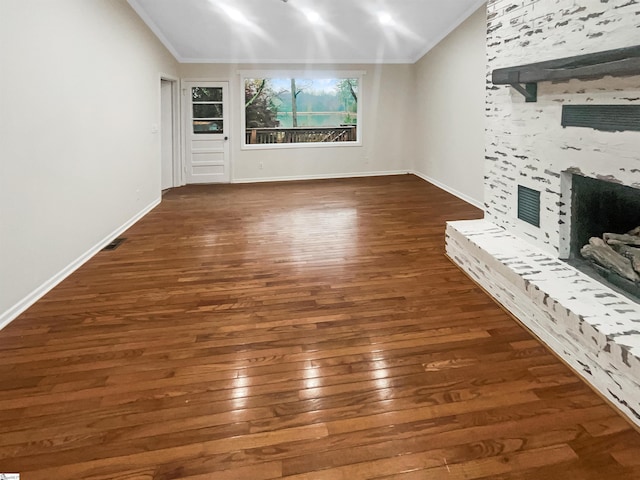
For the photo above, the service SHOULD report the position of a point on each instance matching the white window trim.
(244, 74)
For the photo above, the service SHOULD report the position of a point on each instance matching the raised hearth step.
(593, 328)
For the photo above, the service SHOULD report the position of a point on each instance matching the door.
(166, 134)
(207, 132)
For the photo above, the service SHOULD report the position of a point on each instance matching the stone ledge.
(593, 328)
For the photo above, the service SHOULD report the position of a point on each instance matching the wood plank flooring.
(304, 330)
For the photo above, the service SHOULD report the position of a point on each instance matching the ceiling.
(302, 31)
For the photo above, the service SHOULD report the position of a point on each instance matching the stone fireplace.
(564, 168)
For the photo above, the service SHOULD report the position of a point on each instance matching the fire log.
(631, 253)
(601, 253)
(635, 231)
(621, 238)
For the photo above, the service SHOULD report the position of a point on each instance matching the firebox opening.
(599, 207)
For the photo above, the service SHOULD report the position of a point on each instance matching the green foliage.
(206, 94)
(260, 109)
(348, 93)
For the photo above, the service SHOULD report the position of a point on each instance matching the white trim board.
(310, 72)
(154, 28)
(8, 316)
(452, 191)
(319, 176)
(430, 180)
(176, 92)
(298, 61)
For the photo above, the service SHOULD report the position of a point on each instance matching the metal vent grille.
(529, 205)
(114, 244)
(610, 118)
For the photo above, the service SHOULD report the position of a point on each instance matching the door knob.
(226, 138)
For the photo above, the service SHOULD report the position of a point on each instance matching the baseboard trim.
(319, 177)
(450, 190)
(8, 316)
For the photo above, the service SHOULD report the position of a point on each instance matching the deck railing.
(261, 136)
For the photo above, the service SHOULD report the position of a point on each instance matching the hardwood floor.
(308, 330)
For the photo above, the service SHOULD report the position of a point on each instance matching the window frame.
(220, 118)
(301, 74)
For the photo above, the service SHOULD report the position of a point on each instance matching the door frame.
(186, 126)
(178, 179)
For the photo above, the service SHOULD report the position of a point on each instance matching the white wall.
(79, 93)
(385, 146)
(450, 111)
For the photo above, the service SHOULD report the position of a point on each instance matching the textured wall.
(525, 143)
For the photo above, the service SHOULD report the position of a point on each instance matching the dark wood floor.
(310, 330)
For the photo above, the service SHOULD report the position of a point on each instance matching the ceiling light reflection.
(235, 14)
(381, 378)
(303, 225)
(243, 29)
(312, 378)
(313, 17)
(240, 390)
(385, 19)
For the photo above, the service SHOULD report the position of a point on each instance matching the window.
(207, 110)
(304, 110)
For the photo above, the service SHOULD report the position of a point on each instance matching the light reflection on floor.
(290, 235)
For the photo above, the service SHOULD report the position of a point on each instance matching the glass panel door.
(208, 110)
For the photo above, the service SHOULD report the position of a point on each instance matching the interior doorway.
(169, 144)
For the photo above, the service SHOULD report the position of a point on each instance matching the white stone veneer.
(525, 142)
